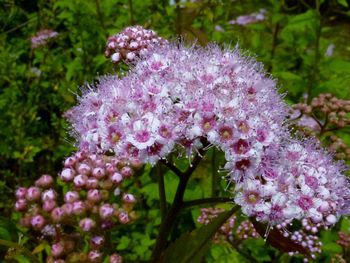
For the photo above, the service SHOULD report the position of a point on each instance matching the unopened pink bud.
(68, 209)
(48, 195)
(95, 256)
(80, 180)
(331, 219)
(112, 45)
(116, 57)
(79, 208)
(69, 162)
(87, 224)
(106, 211)
(97, 242)
(116, 178)
(94, 195)
(21, 193)
(110, 168)
(71, 196)
(45, 181)
(130, 55)
(57, 214)
(91, 183)
(49, 205)
(38, 222)
(57, 250)
(127, 171)
(67, 175)
(133, 45)
(123, 218)
(21, 205)
(84, 169)
(115, 258)
(129, 199)
(99, 173)
(80, 155)
(33, 193)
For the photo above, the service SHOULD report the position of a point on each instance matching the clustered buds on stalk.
(232, 232)
(344, 239)
(42, 37)
(130, 43)
(332, 111)
(229, 231)
(306, 236)
(91, 204)
(325, 115)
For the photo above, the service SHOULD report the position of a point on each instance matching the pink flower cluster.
(42, 37)
(94, 202)
(130, 43)
(175, 96)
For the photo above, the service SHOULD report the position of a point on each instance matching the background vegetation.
(305, 44)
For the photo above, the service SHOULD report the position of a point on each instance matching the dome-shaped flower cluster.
(175, 96)
(93, 202)
(130, 43)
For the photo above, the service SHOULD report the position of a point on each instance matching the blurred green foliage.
(38, 85)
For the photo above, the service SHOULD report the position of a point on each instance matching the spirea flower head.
(130, 43)
(42, 37)
(178, 97)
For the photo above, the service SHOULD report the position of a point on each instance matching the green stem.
(20, 248)
(204, 201)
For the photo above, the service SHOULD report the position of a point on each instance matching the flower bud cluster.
(130, 43)
(339, 147)
(306, 236)
(229, 230)
(330, 110)
(42, 37)
(178, 97)
(344, 239)
(94, 203)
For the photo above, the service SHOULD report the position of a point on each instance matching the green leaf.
(123, 243)
(21, 259)
(345, 225)
(191, 247)
(343, 3)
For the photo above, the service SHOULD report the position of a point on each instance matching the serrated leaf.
(191, 247)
